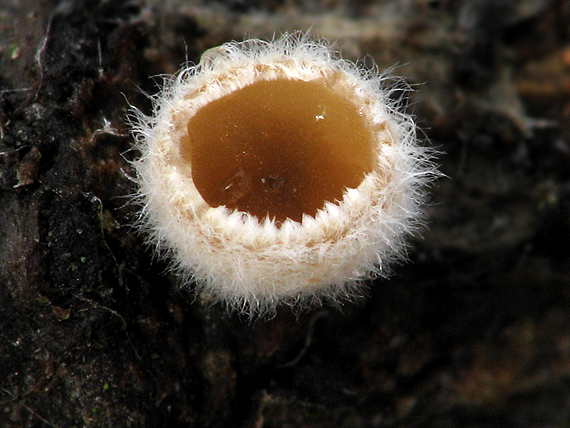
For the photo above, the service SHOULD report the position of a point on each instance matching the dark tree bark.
(473, 332)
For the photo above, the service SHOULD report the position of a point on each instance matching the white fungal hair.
(254, 265)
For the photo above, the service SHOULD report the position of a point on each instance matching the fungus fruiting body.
(277, 172)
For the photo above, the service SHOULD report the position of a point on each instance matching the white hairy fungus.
(277, 172)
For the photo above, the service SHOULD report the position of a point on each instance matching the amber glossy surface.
(279, 148)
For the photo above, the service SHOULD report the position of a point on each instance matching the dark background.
(474, 331)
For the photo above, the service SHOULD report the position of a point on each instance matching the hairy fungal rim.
(252, 264)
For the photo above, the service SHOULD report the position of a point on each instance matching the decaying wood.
(473, 332)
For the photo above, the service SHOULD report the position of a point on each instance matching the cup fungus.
(277, 172)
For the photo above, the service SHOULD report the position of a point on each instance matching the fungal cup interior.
(279, 148)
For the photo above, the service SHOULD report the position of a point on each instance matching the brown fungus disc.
(279, 148)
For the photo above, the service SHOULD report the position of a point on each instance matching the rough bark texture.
(473, 332)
